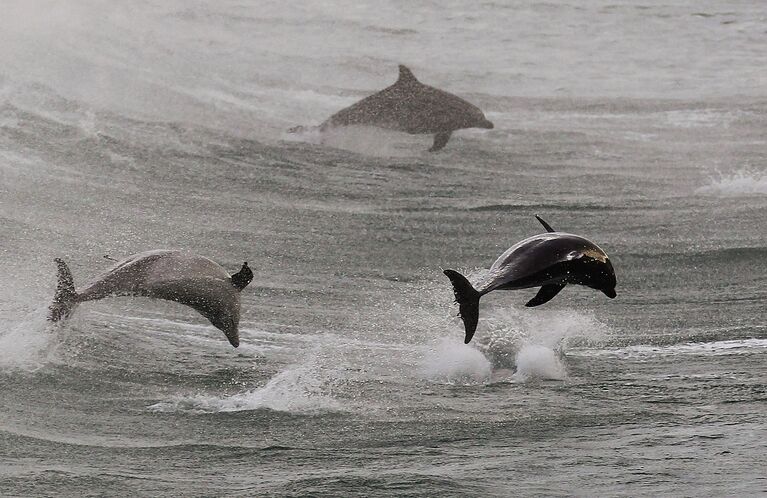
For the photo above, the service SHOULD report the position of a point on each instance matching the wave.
(716, 348)
(739, 183)
(300, 390)
(542, 207)
(727, 255)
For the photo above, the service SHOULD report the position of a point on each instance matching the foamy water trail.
(364, 140)
(732, 347)
(741, 182)
(300, 389)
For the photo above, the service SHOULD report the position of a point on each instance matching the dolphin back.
(410, 106)
(185, 278)
(532, 256)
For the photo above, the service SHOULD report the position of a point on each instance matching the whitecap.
(300, 389)
(737, 183)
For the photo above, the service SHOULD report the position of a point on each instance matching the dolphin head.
(228, 326)
(601, 276)
(475, 118)
(485, 123)
(222, 308)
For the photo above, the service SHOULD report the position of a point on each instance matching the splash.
(535, 344)
(453, 362)
(28, 344)
(300, 389)
(537, 362)
(741, 182)
(366, 140)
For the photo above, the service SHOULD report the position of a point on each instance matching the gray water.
(162, 125)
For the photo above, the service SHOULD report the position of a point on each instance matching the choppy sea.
(154, 124)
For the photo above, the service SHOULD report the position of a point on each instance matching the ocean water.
(642, 126)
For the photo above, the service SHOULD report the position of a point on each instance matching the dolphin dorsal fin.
(545, 225)
(406, 76)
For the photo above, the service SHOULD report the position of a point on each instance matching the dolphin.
(176, 276)
(550, 260)
(410, 106)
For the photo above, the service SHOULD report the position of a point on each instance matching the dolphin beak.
(609, 293)
(234, 338)
(487, 124)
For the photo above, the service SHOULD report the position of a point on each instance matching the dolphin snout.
(610, 293)
(487, 124)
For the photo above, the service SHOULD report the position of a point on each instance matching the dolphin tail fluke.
(467, 298)
(440, 140)
(65, 299)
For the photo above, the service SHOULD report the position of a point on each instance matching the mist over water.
(150, 125)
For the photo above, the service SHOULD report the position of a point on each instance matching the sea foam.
(299, 389)
(27, 344)
(453, 362)
(740, 182)
(534, 344)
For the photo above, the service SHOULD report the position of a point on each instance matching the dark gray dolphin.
(161, 274)
(410, 106)
(550, 260)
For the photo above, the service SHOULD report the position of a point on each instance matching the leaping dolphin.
(550, 260)
(162, 274)
(410, 106)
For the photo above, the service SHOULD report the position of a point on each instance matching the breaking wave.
(741, 182)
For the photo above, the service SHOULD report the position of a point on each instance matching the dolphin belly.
(555, 274)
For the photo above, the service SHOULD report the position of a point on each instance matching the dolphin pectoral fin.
(440, 140)
(545, 294)
(546, 226)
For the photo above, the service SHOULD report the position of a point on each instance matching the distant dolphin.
(410, 106)
(550, 260)
(172, 275)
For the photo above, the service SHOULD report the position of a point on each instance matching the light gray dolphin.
(162, 274)
(410, 106)
(550, 260)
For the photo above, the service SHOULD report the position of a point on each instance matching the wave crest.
(297, 390)
(741, 182)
